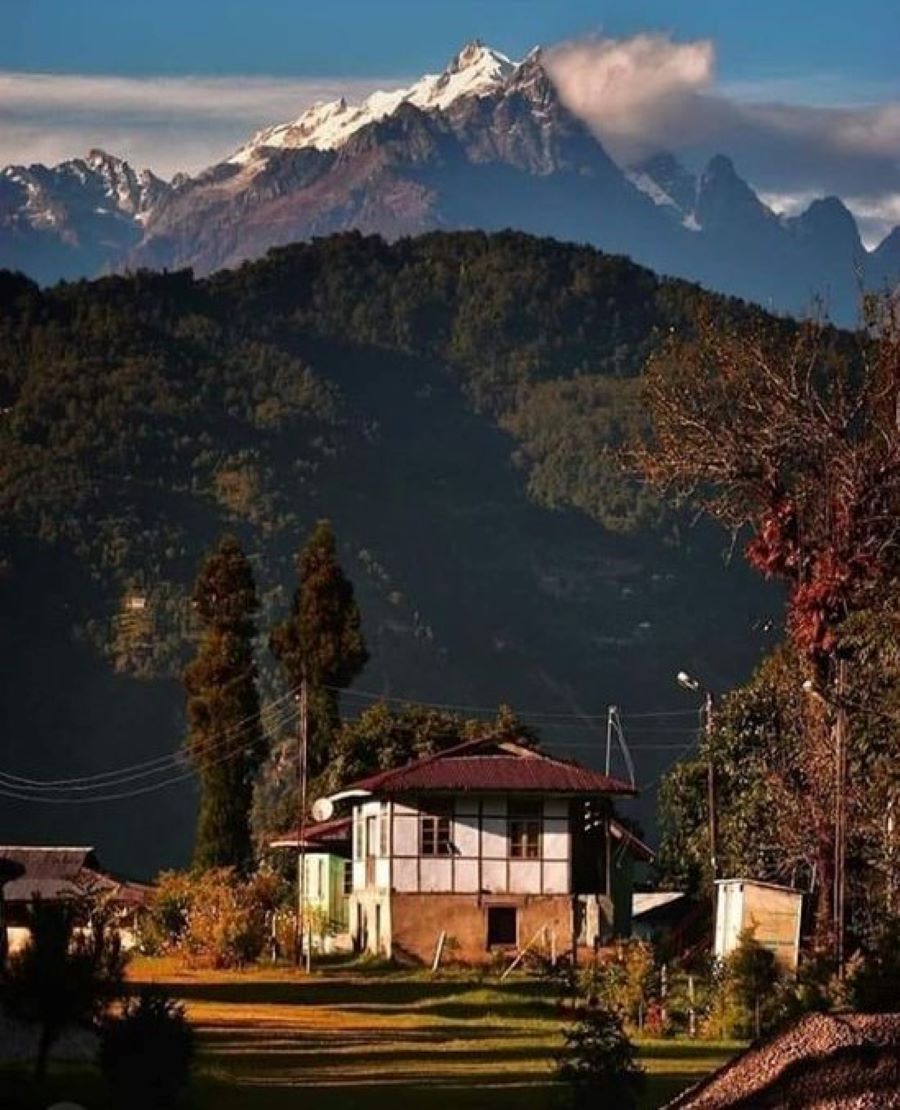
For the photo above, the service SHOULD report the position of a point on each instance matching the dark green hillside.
(448, 401)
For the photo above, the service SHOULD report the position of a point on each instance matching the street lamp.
(692, 684)
(839, 704)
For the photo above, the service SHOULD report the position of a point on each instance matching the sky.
(805, 97)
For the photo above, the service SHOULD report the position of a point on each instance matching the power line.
(232, 739)
(369, 695)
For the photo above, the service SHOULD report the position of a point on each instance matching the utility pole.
(689, 683)
(302, 753)
(711, 787)
(840, 816)
(838, 702)
(610, 717)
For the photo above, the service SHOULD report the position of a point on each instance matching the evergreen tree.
(225, 737)
(322, 639)
(598, 1061)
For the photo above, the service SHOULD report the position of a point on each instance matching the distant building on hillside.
(56, 874)
(494, 845)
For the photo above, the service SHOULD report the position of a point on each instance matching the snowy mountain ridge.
(477, 70)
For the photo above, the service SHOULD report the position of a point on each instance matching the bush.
(146, 1053)
(598, 1061)
(627, 983)
(747, 997)
(164, 925)
(874, 983)
(214, 918)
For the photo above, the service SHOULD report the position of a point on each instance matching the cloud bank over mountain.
(649, 92)
(171, 124)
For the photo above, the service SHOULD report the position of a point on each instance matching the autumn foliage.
(790, 432)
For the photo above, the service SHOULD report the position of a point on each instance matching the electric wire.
(160, 763)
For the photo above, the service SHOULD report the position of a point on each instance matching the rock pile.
(823, 1062)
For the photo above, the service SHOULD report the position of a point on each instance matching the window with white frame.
(524, 829)
(434, 827)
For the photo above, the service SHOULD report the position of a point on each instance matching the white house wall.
(479, 858)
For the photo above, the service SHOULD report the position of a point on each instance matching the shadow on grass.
(701, 1051)
(382, 994)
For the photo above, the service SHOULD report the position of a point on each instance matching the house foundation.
(476, 928)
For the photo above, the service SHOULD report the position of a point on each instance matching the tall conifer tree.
(225, 736)
(322, 638)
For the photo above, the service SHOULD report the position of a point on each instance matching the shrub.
(214, 918)
(627, 983)
(146, 1053)
(164, 924)
(874, 983)
(598, 1061)
(747, 997)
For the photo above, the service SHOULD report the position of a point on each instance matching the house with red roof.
(486, 847)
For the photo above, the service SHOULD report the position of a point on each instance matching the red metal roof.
(485, 765)
(324, 834)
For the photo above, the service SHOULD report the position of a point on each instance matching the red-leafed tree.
(791, 433)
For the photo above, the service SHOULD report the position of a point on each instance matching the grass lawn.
(369, 1038)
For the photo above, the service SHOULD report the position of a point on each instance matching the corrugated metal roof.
(61, 872)
(484, 765)
(649, 901)
(331, 834)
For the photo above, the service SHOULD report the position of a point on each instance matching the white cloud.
(166, 123)
(649, 93)
(633, 91)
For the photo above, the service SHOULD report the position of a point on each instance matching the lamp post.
(689, 683)
(839, 703)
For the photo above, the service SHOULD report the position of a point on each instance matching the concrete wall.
(417, 921)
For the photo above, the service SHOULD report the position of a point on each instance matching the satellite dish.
(322, 809)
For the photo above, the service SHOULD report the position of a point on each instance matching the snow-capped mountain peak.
(475, 71)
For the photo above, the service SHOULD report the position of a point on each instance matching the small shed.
(327, 851)
(772, 913)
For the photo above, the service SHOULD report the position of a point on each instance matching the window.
(360, 834)
(525, 830)
(320, 887)
(502, 927)
(435, 829)
(348, 876)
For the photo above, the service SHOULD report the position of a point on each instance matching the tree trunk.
(45, 1043)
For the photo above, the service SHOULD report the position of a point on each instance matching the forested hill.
(449, 402)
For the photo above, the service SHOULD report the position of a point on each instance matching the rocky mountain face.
(75, 219)
(486, 144)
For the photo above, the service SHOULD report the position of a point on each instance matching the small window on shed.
(348, 876)
(502, 926)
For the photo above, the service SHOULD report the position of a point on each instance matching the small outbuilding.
(772, 913)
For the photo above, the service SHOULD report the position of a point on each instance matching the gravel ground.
(824, 1062)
